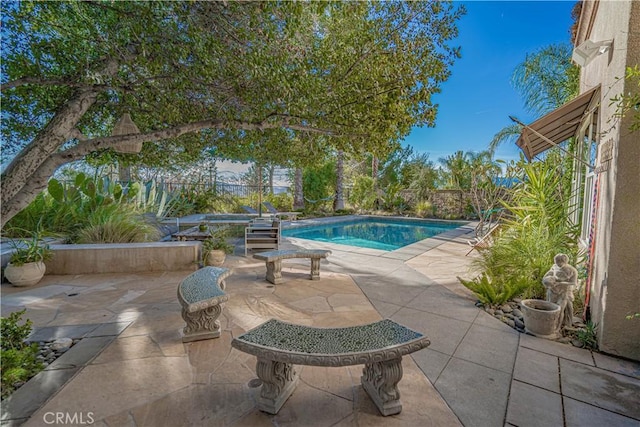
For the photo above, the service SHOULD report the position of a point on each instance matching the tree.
(359, 74)
(455, 170)
(546, 79)
(422, 176)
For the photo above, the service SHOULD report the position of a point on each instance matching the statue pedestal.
(541, 318)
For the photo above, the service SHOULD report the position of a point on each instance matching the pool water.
(374, 233)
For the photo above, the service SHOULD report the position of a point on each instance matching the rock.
(499, 313)
(509, 316)
(491, 311)
(517, 313)
(519, 323)
(564, 340)
(61, 343)
(506, 308)
(577, 343)
(511, 323)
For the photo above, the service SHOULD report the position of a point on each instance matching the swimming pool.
(387, 234)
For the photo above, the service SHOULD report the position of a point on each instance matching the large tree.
(190, 74)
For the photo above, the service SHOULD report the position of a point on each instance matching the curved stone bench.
(379, 346)
(201, 294)
(274, 259)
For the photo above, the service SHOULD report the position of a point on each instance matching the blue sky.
(476, 101)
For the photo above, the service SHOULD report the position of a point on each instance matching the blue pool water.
(375, 233)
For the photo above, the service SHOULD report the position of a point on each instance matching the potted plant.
(215, 248)
(26, 265)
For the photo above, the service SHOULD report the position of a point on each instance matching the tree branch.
(44, 82)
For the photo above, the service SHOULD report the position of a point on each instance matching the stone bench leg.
(279, 379)
(274, 271)
(315, 268)
(201, 325)
(380, 380)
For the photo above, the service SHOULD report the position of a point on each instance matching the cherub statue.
(560, 281)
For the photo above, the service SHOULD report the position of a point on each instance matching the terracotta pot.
(215, 258)
(541, 318)
(25, 275)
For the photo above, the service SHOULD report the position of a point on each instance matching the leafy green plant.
(536, 228)
(587, 336)
(493, 291)
(18, 359)
(424, 209)
(32, 250)
(115, 224)
(363, 193)
(217, 241)
(629, 101)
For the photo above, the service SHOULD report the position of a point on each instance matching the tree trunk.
(124, 173)
(271, 169)
(338, 202)
(298, 196)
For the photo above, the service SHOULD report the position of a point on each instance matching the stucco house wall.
(615, 268)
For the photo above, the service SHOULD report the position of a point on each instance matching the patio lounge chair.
(250, 210)
(273, 211)
(483, 242)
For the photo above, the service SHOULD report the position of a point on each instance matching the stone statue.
(560, 281)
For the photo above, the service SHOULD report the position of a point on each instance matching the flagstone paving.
(132, 369)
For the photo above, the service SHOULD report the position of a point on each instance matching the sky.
(477, 100)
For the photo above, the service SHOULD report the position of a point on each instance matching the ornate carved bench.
(201, 294)
(274, 259)
(379, 346)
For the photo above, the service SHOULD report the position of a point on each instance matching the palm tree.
(455, 170)
(546, 79)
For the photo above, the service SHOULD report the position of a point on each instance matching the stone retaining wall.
(123, 257)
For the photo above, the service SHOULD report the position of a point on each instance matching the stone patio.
(132, 369)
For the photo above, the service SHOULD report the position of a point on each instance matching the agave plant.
(32, 250)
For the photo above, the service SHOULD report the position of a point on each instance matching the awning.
(557, 126)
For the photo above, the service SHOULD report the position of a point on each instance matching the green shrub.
(18, 360)
(524, 253)
(116, 224)
(587, 336)
(538, 228)
(282, 202)
(424, 209)
(493, 291)
(363, 195)
(79, 208)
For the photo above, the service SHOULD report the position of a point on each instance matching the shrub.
(537, 230)
(282, 202)
(424, 209)
(363, 194)
(494, 291)
(18, 360)
(115, 224)
(524, 253)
